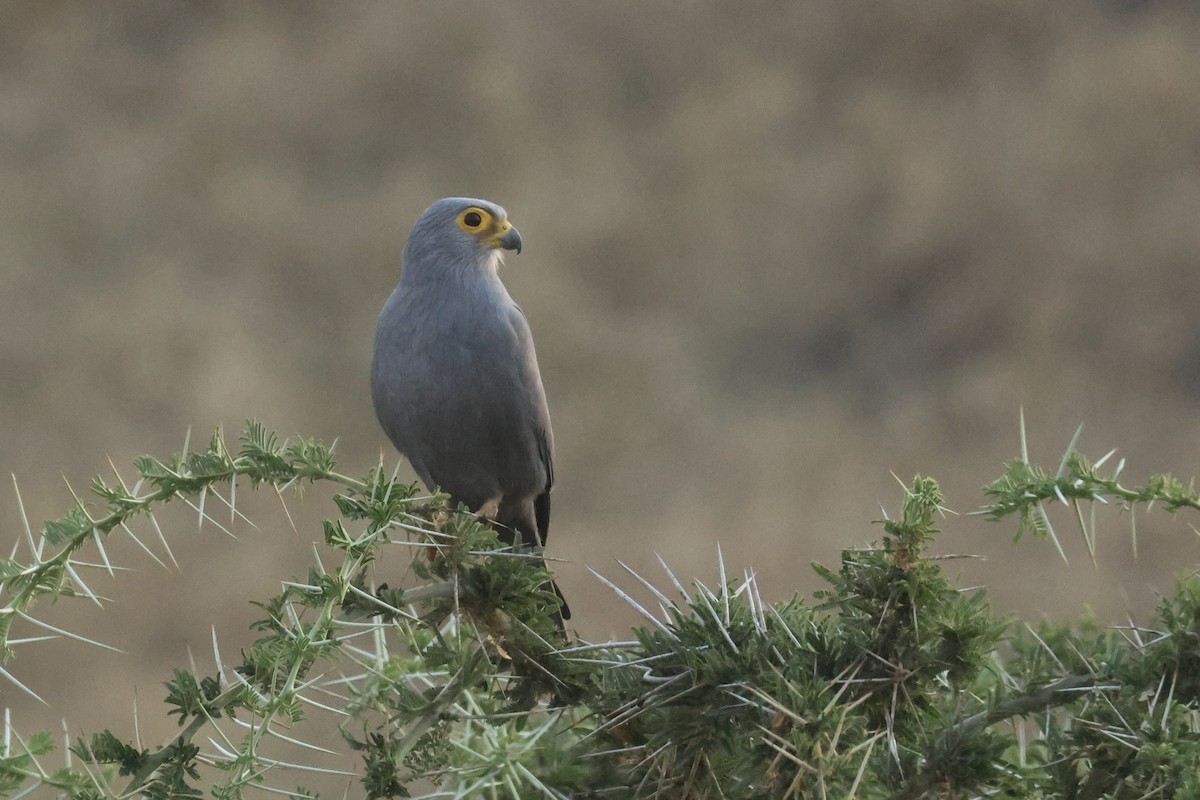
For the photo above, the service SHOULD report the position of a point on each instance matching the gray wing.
(543, 433)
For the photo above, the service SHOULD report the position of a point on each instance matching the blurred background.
(775, 253)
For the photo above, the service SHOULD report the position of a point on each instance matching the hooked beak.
(510, 239)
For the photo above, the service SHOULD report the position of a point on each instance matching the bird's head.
(460, 230)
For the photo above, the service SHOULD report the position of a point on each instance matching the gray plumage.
(455, 379)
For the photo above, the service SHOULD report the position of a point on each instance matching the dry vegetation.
(774, 250)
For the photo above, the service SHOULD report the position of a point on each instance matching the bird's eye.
(474, 220)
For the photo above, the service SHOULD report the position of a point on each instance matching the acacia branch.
(951, 740)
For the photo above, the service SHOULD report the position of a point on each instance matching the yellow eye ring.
(473, 220)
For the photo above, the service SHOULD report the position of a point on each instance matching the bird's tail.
(509, 530)
(564, 611)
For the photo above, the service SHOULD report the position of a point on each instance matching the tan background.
(774, 253)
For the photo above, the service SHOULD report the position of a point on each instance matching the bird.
(454, 376)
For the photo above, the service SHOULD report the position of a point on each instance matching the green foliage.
(892, 684)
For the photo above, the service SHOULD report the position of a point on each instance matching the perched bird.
(454, 378)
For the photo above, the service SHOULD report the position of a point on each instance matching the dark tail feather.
(541, 516)
(541, 511)
(507, 525)
(565, 611)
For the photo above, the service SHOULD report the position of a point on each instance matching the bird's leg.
(489, 509)
(493, 514)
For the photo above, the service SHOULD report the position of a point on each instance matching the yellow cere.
(498, 234)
